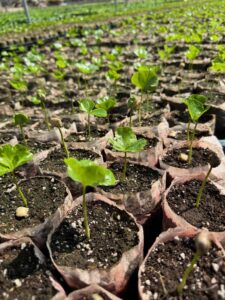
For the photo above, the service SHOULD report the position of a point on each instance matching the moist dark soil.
(36, 146)
(22, 277)
(167, 263)
(178, 117)
(151, 121)
(102, 297)
(95, 133)
(55, 160)
(71, 248)
(44, 196)
(211, 212)
(200, 157)
(138, 178)
(215, 98)
(182, 135)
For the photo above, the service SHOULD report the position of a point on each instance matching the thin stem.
(139, 111)
(188, 130)
(130, 120)
(187, 271)
(86, 225)
(63, 142)
(201, 190)
(23, 135)
(191, 145)
(45, 115)
(19, 189)
(124, 168)
(72, 107)
(89, 128)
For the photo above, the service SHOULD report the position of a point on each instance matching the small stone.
(213, 280)
(215, 267)
(182, 255)
(173, 133)
(17, 282)
(147, 282)
(183, 157)
(22, 212)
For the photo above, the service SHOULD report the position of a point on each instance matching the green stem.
(139, 111)
(72, 107)
(19, 189)
(191, 145)
(201, 190)
(89, 128)
(188, 270)
(63, 142)
(188, 130)
(124, 168)
(130, 120)
(86, 225)
(45, 115)
(23, 135)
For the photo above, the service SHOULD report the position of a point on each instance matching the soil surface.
(200, 157)
(44, 196)
(95, 133)
(167, 263)
(71, 248)
(182, 135)
(145, 122)
(55, 160)
(138, 178)
(178, 117)
(210, 213)
(22, 277)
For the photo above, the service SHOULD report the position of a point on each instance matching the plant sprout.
(126, 141)
(20, 119)
(56, 122)
(89, 174)
(166, 52)
(146, 80)
(196, 108)
(88, 106)
(106, 103)
(193, 52)
(132, 105)
(12, 157)
(203, 245)
(39, 99)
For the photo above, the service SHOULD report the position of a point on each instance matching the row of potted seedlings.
(83, 224)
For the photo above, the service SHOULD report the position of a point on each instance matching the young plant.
(126, 141)
(203, 245)
(166, 52)
(146, 80)
(106, 103)
(88, 106)
(20, 120)
(89, 174)
(196, 108)
(12, 157)
(39, 99)
(132, 105)
(56, 122)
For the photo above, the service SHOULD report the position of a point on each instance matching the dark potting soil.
(178, 117)
(95, 133)
(200, 157)
(44, 196)
(182, 135)
(55, 160)
(145, 122)
(6, 137)
(113, 232)
(22, 277)
(36, 146)
(211, 212)
(138, 178)
(165, 267)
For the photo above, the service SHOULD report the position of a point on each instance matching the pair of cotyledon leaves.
(196, 106)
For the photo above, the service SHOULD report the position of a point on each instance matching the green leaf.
(196, 106)
(88, 173)
(12, 157)
(126, 141)
(20, 119)
(145, 79)
(86, 68)
(99, 112)
(193, 52)
(86, 105)
(106, 103)
(19, 85)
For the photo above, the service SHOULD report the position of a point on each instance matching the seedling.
(88, 106)
(20, 120)
(39, 99)
(165, 53)
(106, 103)
(146, 80)
(196, 108)
(126, 141)
(89, 174)
(114, 76)
(203, 245)
(56, 122)
(12, 157)
(132, 105)
(193, 52)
